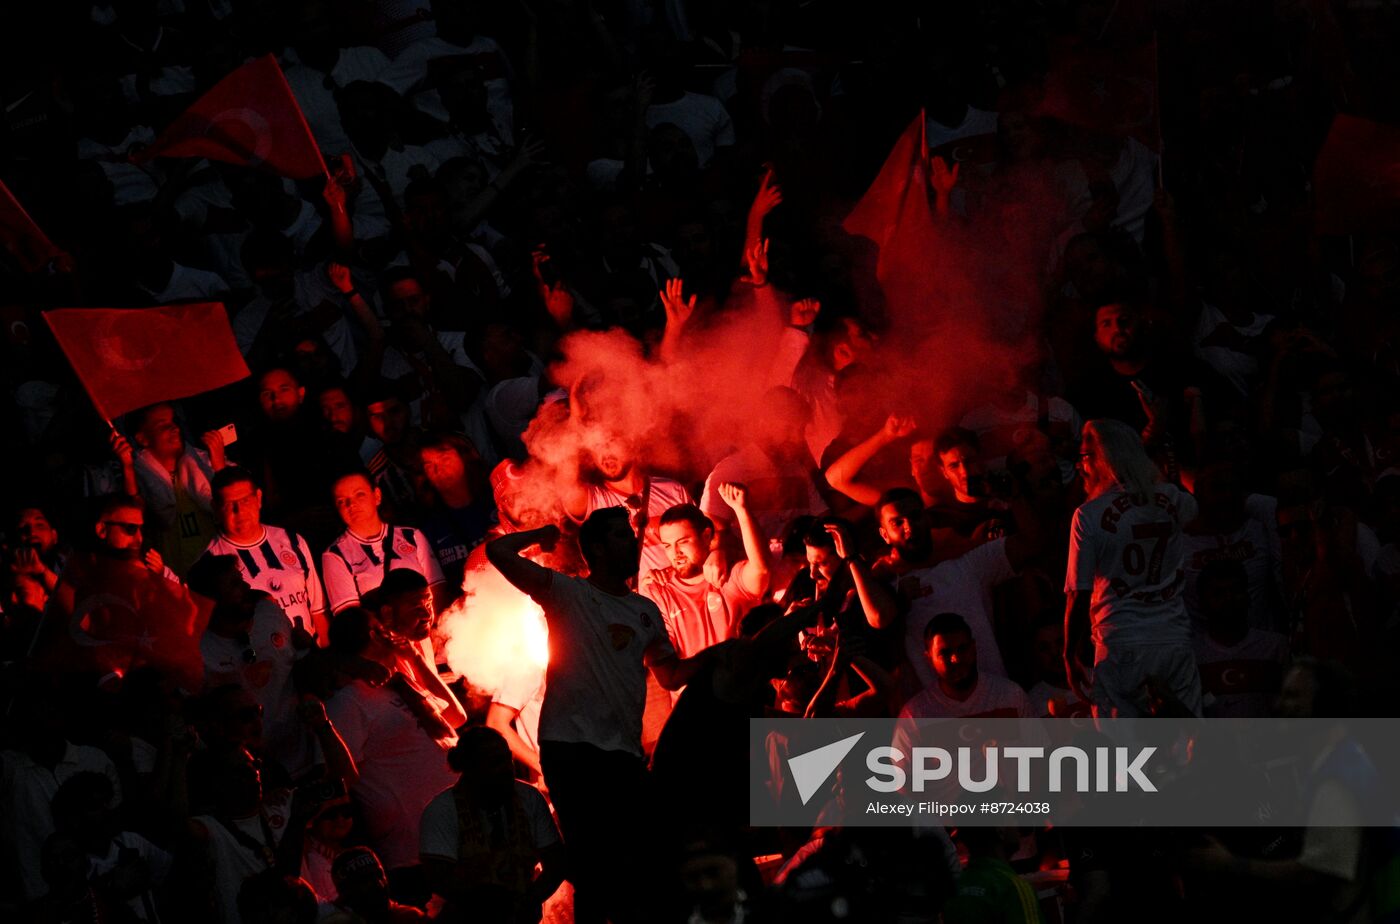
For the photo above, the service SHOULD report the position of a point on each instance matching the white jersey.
(1241, 680)
(263, 665)
(600, 645)
(662, 494)
(354, 566)
(961, 585)
(279, 563)
(1133, 559)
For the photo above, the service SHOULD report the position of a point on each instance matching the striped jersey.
(280, 564)
(353, 565)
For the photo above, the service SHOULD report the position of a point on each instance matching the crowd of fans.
(1174, 494)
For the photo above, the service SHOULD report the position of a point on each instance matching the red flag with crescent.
(128, 358)
(1107, 89)
(1357, 177)
(249, 118)
(111, 615)
(24, 239)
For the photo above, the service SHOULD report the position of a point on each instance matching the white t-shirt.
(1255, 545)
(234, 861)
(187, 284)
(961, 585)
(704, 120)
(157, 861)
(1068, 705)
(1235, 367)
(354, 566)
(1239, 681)
(697, 613)
(1133, 558)
(268, 678)
(26, 794)
(776, 497)
(279, 564)
(599, 647)
(975, 122)
(1000, 430)
(440, 837)
(662, 495)
(401, 766)
(993, 697)
(524, 693)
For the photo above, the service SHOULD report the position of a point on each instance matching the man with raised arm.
(699, 612)
(602, 639)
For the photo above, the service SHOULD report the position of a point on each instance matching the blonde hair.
(1123, 455)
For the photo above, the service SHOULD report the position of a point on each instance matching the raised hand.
(154, 562)
(898, 427)
(122, 448)
(941, 177)
(334, 194)
(735, 495)
(841, 537)
(213, 441)
(678, 309)
(804, 312)
(768, 197)
(756, 256)
(339, 275)
(547, 537)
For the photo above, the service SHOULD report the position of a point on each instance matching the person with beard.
(481, 839)
(928, 585)
(603, 638)
(121, 522)
(959, 689)
(285, 450)
(241, 834)
(1136, 381)
(699, 612)
(396, 732)
(250, 642)
(624, 482)
(344, 420)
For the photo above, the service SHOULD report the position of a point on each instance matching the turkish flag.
(110, 615)
(1356, 178)
(1109, 90)
(895, 215)
(128, 358)
(249, 118)
(25, 240)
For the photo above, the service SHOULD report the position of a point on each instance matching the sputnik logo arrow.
(812, 769)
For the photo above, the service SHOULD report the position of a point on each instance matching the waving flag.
(19, 235)
(110, 615)
(1109, 90)
(895, 215)
(132, 357)
(249, 118)
(1357, 177)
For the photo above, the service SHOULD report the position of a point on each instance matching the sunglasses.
(248, 713)
(130, 529)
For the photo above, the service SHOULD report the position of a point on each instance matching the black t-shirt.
(1104, 393)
